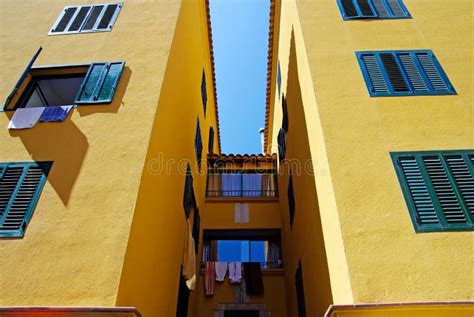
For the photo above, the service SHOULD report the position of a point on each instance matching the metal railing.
(264, 265)
(242, 193)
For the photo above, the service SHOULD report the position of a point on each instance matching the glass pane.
(35, 100)
(258, 251)
(60, 91)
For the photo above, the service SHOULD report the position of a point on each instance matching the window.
(188, 198)
(279, 79)
(211, 140)
(300, 291)
(373, 9)
(20, 188)
(403, 73)
(281, 144)
(204, 91)
(284, 121)
(244, 183)
(198, 145)
(183, 297)
(261, 246)
(291, 200)
(86, 18)
(66, 85)
(438, 188)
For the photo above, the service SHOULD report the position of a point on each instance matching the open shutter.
(21, 79)
(373, 75)
(394, 73)
(211, 140)
(366, 9)
(380, 7)
(100, 83)
(188, 192)
(284, 123)
(20, 187)
(348, 8)
(281, 144)
(415, 77)
(291, 200)
(396, 8)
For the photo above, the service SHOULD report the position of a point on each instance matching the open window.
(61, 85)
(262, 246)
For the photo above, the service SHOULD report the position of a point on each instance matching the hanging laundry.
(221, 270)
(253, 278)
(189, 257)
(25, 118)
(55, 114)
(209, 278)
(235, 272)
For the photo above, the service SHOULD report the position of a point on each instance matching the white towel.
(235, 272)
(221, 270)
(25, 118)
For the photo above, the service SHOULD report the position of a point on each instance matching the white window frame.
(96, 24)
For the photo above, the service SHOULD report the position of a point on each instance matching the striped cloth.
(209, 278)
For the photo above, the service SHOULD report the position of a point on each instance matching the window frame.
(442, 224)
(376, 15)
(96, 23)
(391, 92)
(46, 168)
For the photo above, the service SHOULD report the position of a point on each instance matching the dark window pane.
(96, 10)
(76, 24)
(59, 92)
(65, 20)
(394, 73)
(365, 8)
(349, 8)
(109, 13)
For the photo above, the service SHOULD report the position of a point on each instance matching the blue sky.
(240, 36)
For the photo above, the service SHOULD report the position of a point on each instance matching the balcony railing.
(241, 184)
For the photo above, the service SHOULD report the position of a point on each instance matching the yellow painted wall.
(273, 297)
(434, 310)
(373, 252)
(154, 254)
(73, 249)
(219, 214)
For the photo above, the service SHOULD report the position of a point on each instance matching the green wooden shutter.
(438, 188)
(100, 83)
(20, 187)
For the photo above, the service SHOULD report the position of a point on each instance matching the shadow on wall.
(317, 282)
(64, 143)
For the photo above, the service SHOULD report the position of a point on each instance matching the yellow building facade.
(100, 211)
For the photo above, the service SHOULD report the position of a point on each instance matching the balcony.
(242, 176)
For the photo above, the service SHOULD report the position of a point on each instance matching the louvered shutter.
(65, 19)
(92, 19)
(284, 123)
(396, 8)
(281, 144)
(380, 7)
(375, 79)
(198, 144)
(188, 192)
(79, 19)
(211, 140)
(204, 91)
(396, 79)
(100, 83)
(438, 188)
(106, 21)
(20, 187)
(291, 200)
(300, 291)
(415, 77)
(434, 73)
(365, 9)
(349, 10)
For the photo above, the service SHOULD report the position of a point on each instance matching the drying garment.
(221, 270)
(209, 278)
(189, 257)
(25, 118)
(235, 272)
(253, 278)
(55, 114)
